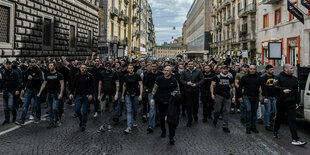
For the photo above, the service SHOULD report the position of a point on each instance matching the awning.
(196, 52)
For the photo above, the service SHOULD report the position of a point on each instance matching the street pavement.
(201, 138)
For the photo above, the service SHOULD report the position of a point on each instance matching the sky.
(168, 14)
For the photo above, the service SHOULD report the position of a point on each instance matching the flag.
(306, 3)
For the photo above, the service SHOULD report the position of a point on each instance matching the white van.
(307, 100)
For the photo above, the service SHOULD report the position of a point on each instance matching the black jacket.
(250, 84)
(285, 81)
(194, 76)
(37, 78)
(10, 80)
(83, 84)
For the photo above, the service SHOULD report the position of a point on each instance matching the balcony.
(126, 1)
(135, 4)
(115, 39)
(218, 26)
(251, 8)
(121, 17)
(126, 19)
(213, 13)
(124, 42)
(114, 12)
(235, 41)
(134, 18)
(226, 22)
(270, 1)
(227, 3)
(242, 13)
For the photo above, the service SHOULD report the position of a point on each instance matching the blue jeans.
(95, 100)
(31, 94)
(53, 103)
(8, 104)
(242, 110)
(81, 101)
(270, 110)
(153, 112)
(119, 106)
(259, 111)
(251, 111)
(131, 105)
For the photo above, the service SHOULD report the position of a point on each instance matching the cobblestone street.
(202, 138)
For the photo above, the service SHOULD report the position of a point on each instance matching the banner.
(306, 3)
(295, 12)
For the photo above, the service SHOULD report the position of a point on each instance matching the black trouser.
(163, 109)
(145, 103)
(192, 104)
(289, 109)
(183, 102)
(208, 103)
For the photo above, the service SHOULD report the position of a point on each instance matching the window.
(233, 12)
(112, 4)
(119, 5)
(72, 37)
(266, 21)
(7, 12)
(277, 17)
(119, 30)
(112, 30)
(291, 17)
(47, 32)
(89, 39)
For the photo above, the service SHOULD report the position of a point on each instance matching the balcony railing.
(114, 11)
(126, 19)
(218, 25)
(270, 1)
(242, 13)
(213, 13)
(226, 22)
(251, 8)
(115, 39)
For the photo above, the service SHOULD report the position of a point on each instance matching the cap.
(107, 64)
(8, 61)
(15, 62)
(245, 65)
(268, 67)
(33, 60)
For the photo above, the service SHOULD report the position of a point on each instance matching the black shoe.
(188, 124)
(83, 129)
(248, 131)
(275, 135)
(163, 134)
(260, 121)
(149, 130)
(254, 130)
(51, 125)
(205, 120)
(214, 122)
(6, 122)
(183, 115)
(195, 118)
(242, 120)
(115, 120)
(268, 128)
(171, 141)
(226, 130)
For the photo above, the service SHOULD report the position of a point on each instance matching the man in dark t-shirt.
(54, 84)
(132, 94)
(206, 94)
(221, 88)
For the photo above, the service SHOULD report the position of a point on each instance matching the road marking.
(18, 126)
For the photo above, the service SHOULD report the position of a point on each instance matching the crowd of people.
(165, 91)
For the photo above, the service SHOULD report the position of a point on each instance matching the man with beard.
(149, 82)
(82, 89)
(54, 83)
(206, 97)
(32, 83)
(96, 72)
(192, 79)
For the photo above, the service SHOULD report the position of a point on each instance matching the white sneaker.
(31, 117)
(134, 124)
(128, 130)
(95, 115)
(238, 110)
(298, 142)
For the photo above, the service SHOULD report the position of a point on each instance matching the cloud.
(168, 14)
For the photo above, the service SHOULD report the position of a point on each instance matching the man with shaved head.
(287, 88)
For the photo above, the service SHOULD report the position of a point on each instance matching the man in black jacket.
(192, 79)
(32, 83)
(83, 89)
(251, 87)
(10, 87)
(287, 86)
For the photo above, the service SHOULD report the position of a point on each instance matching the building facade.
(276, 24)
(234, 29)
(167, 51)
(150, 32)
(41, 28)
(198, 28)
(113, 39)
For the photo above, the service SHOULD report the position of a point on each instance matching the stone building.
(114, 19)
(166, 51)
(276, 24)
(234, 28)
(150, 31)
(41, 28)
